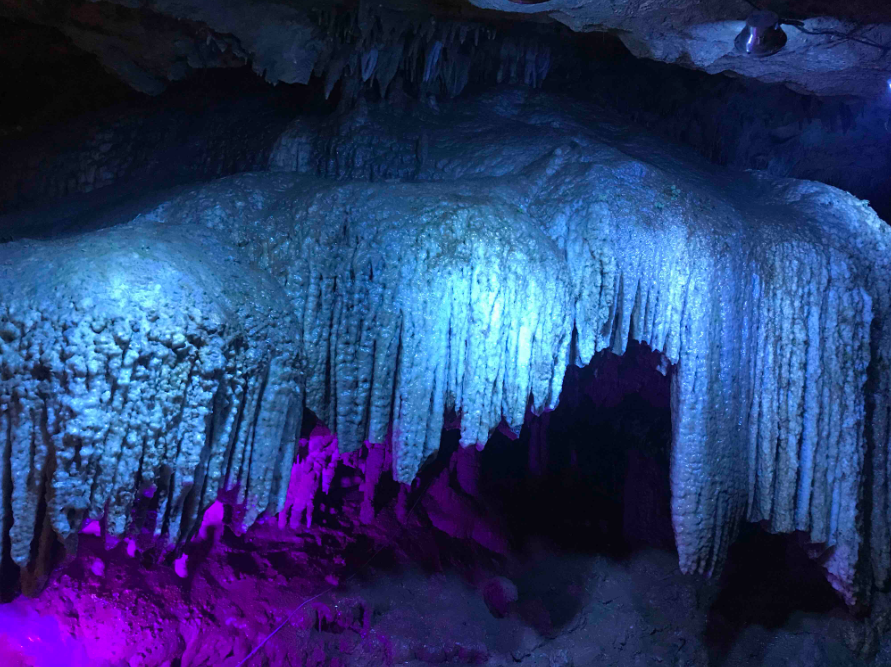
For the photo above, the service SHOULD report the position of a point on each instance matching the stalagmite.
(536, 241)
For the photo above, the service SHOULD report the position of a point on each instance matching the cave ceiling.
(832, 49)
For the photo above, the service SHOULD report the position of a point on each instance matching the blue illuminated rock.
(532, 235)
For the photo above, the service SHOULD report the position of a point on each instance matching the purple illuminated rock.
(499, 594)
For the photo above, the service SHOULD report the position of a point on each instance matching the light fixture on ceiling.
(762, 35)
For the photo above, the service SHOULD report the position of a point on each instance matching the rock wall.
(182, 137)
(830, 50)
(735, 122)
(187, 139)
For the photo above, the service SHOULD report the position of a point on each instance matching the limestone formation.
(530, 238)
(410, 299)
(140, 362)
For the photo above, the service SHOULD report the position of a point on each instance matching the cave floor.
(416, 600)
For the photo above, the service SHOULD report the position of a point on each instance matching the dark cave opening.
(769, 582)
(45, 80)
(593, 478)
(593, 474)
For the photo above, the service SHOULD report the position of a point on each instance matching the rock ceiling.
(832, 49)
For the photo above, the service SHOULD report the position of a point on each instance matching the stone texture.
(140, 362)
(852, 57)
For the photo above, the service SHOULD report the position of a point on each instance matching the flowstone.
(139, 361)
(530, 237)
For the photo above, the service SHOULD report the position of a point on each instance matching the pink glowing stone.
(30, 639)
(212, 523)
(180, 566)
(92, 527)
(98, 567)
(131, 547)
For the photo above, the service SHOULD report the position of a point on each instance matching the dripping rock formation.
(171, 355)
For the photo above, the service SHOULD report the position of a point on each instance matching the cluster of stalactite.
(365, 48)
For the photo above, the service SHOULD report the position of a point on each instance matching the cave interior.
(491, 332)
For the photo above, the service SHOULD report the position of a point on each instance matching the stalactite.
(369, 62)
(431, 54)
(750, 352)
(431, 61)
